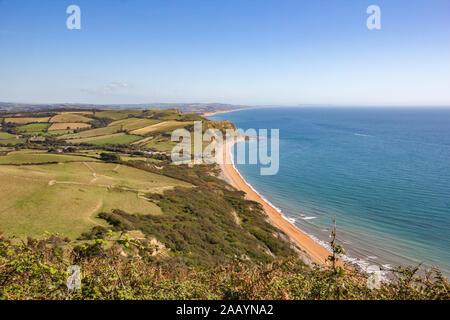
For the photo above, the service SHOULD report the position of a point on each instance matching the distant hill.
(198, 108)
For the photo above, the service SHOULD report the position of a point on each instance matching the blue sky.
(257, 52)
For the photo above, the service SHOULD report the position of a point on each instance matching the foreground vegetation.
(37, 270)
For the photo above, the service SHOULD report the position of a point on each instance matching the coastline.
(209, 114)
(317, 252)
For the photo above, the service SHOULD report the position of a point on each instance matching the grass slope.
(68, 126)
(166, 126)
(33, 128)
(131, 124)
(27, 120)
(6, 138)
(92, 133)
(118, 114)
(35, 158)
(69, 117)
(124, 139)
(65, 198)
(117, 138)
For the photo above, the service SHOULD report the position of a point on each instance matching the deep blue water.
(384, 173)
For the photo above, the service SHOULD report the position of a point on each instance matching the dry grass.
(95, 138)
(77, 112)
(68, 125)
(118, 114)
(92, 133)
(69, 117)
(26, 120)
(133, 123)
(163, 126)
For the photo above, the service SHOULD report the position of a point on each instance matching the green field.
(31, 158)
(25, 120)
(118, 139)
(118, 114)
(164, 115)
(159, 143)
(6, 138)
(165, 126)
(130, 124)
(33, 128)
(163, 143)
(70, 117)
(65, 198)
(5, 135)
(92, 133)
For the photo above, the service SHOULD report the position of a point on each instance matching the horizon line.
(238, 104)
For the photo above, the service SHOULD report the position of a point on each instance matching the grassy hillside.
(34, 128)
(92, 133)
(165, 126)
(131, 124)
(65, 198)
(118, 114)
(68, 126)
(34, 158)
(209, 224)
(10, 139)
(119, 139)
(25, 120)
(70, 117)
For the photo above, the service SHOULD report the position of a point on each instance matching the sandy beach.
(318, 253)
(209, 114)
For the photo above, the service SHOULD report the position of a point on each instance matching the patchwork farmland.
(60, 169)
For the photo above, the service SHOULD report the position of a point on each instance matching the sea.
(384, 173)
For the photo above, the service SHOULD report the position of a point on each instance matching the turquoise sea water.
(384, 173)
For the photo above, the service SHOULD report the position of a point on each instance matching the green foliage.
(109, 157)
(36, 269)
(209, 224)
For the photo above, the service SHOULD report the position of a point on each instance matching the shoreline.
(209, 114)
(318, 253)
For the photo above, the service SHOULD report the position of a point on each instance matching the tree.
(109, 157)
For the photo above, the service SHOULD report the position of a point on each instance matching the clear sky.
(257, 52)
